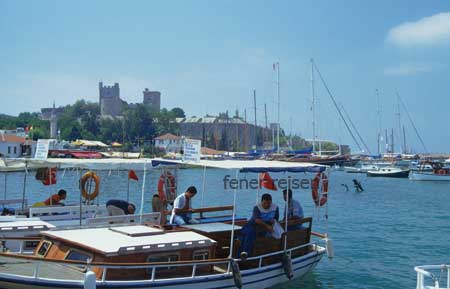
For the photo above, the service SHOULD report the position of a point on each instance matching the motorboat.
(389, 172)
(361, 168)
(149, 255)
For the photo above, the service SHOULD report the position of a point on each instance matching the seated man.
(55, 200)
(182, 211)
(120, 207)
(295, 210)
(265, 214)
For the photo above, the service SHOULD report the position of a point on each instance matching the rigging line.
(356, 130)
(412, 122)
(337, 107)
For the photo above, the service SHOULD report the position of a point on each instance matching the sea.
(378, 235)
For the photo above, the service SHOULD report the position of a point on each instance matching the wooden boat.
(146, 255)
(389, 172)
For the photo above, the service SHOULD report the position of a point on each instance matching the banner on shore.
(191, 150)
(42, 147)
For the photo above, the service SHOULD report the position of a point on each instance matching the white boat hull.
(263, 277)
(417, 176)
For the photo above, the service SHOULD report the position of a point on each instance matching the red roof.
(11, 138)
(86, 155)
(168, 136)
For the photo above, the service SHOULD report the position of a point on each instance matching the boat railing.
(193, 267)
(53, 213)
(433, 272)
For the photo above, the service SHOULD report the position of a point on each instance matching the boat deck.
(46, 269)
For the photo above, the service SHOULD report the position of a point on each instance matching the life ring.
(168, 196)
(441, 172)
(315, 189)
(84, 185)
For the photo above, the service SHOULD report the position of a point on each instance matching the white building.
(169, 143)
(12, 146)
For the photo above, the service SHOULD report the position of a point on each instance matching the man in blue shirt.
(182, 211)
(295, 210)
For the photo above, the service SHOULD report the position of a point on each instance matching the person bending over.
(55, 200)
(120, 207)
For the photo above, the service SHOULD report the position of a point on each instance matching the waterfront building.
(169, 143)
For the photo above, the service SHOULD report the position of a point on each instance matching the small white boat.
(389, 172)
(431, 276)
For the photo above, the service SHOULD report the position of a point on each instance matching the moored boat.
(148, 255)
(389, 172)
(438, 173)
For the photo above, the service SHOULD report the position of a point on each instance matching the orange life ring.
(169, 196)
(84, 184)
(315, 189)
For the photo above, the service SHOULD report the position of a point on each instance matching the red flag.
(50, 177)
(265, 181)
(132, 175)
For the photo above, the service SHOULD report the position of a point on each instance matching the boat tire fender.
(236, 274)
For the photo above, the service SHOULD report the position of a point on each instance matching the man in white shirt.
(182, 211)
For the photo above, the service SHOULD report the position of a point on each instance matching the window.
(30, 245)
(160, 259)
(9, 149)
(15, 150)
(43, 249)
(75, 255)
(200, 255)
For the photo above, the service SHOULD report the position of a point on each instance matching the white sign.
(191, 149)
(42, 149)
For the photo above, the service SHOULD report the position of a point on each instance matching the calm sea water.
(379, 235)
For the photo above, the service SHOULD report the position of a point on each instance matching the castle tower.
(53, 123)
(152, 99)
(109, 100)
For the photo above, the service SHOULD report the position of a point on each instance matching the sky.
(208, 57)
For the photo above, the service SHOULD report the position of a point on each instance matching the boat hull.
(401, 174)
(417, 176)
(263, 277)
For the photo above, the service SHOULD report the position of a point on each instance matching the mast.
(265, 118)
(412, 123)
(256, 127)
(378, 122)
(404, 141)
(402, 148)
(313, 108)
(278, 94)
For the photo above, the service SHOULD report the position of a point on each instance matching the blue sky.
(208, 56)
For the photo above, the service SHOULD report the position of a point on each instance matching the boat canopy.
(67, 163)
(253, 166)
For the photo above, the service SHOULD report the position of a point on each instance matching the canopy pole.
(24, 184)
(81, 198)
(233, 219)
(203, 185)
(142, 194)
(128, 187)
(6, 184)
(286, 217)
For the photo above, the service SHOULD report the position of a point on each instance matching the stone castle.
(111, 105)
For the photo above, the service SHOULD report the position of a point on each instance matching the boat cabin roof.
(23, 224)
(132, 239)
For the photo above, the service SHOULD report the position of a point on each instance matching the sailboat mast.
(313, 99)
(378, 122)
(278, 94)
